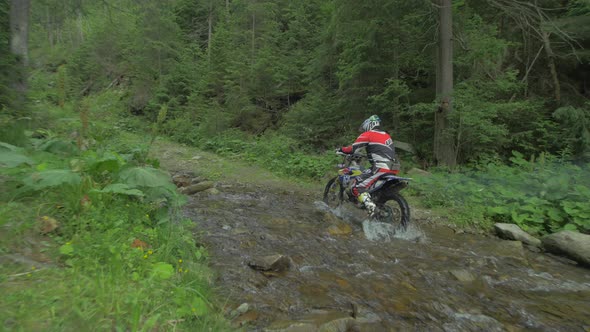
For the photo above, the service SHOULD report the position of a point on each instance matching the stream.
(349, 274)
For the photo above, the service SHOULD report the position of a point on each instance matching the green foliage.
(575, 128)
(542, 196)
(51, 179)
(126, 258)
(274, 152)
(11, 158)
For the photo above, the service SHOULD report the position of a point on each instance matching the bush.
(542, 195)
(274, 152)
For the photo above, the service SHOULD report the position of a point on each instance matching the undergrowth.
(541, 195)
(92, 235)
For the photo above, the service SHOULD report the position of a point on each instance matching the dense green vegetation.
(311, 70)
(280, 84)
(111, 220)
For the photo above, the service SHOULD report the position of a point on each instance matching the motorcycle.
(392, 207)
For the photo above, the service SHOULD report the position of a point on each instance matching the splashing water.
(379, 231)
(374, 230)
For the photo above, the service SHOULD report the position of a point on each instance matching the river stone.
(213, 191)
(340, 229)
(513, 232)
(572, 244)
(339, 325)
(290, 326)
(195, 188)
(181, 180)
(505, 249)
(462, 275)
(275, 263)
(242, 309)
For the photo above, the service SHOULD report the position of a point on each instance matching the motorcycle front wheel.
(394, 209)
(333, 193)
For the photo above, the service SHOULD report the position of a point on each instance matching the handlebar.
(350, 158)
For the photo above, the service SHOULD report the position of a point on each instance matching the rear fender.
(389, 181)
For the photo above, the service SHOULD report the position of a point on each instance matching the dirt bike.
(392, 207)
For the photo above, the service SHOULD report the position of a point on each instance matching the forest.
(491, 97)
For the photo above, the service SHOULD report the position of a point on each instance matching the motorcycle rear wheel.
(333, 193)
(394, 209)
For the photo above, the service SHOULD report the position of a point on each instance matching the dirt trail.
(332, 273)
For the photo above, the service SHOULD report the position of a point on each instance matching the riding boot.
(365, 200)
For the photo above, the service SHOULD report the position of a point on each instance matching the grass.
(113, 261)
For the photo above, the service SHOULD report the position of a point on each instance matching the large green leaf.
(52, 178)
(12, 159)
(120, 188)
(6, 146)
(109, 163)
(57, 146)
(162, 270)
(145, 177)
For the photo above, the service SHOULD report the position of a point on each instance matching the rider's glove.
(339, 150)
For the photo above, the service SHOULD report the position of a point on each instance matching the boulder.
(275, 263)
(195, 188)
(513, 232)
(181, 180)
(572, 244)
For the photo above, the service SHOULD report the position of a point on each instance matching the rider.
(381, 155)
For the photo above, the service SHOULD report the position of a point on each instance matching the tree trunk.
(552, 68)
(19, 28)
(444, 149)
(19, 43)
(209, 30)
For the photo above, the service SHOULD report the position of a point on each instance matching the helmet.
(370, 123)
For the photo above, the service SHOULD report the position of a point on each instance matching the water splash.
(378, 231)
(340, 211)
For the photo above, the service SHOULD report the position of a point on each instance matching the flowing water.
(347, 273)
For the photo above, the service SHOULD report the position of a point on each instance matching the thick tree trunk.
(19, 44)
(444, 149)
(19, 28)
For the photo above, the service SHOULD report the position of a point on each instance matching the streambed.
(347, 273)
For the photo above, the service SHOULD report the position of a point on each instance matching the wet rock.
(331, 218)
(245, 319)
(195, 188)
(505, 249)
(290, 326)
(275, 263)
(513, 232)
(364, 315)
(242, 309)
(213, 191)
(347, 324)
(182, 179)
(574, 245)
(197, 179)
(340, 229)
(462, 275)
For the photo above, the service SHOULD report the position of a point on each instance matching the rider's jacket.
(379, 146)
